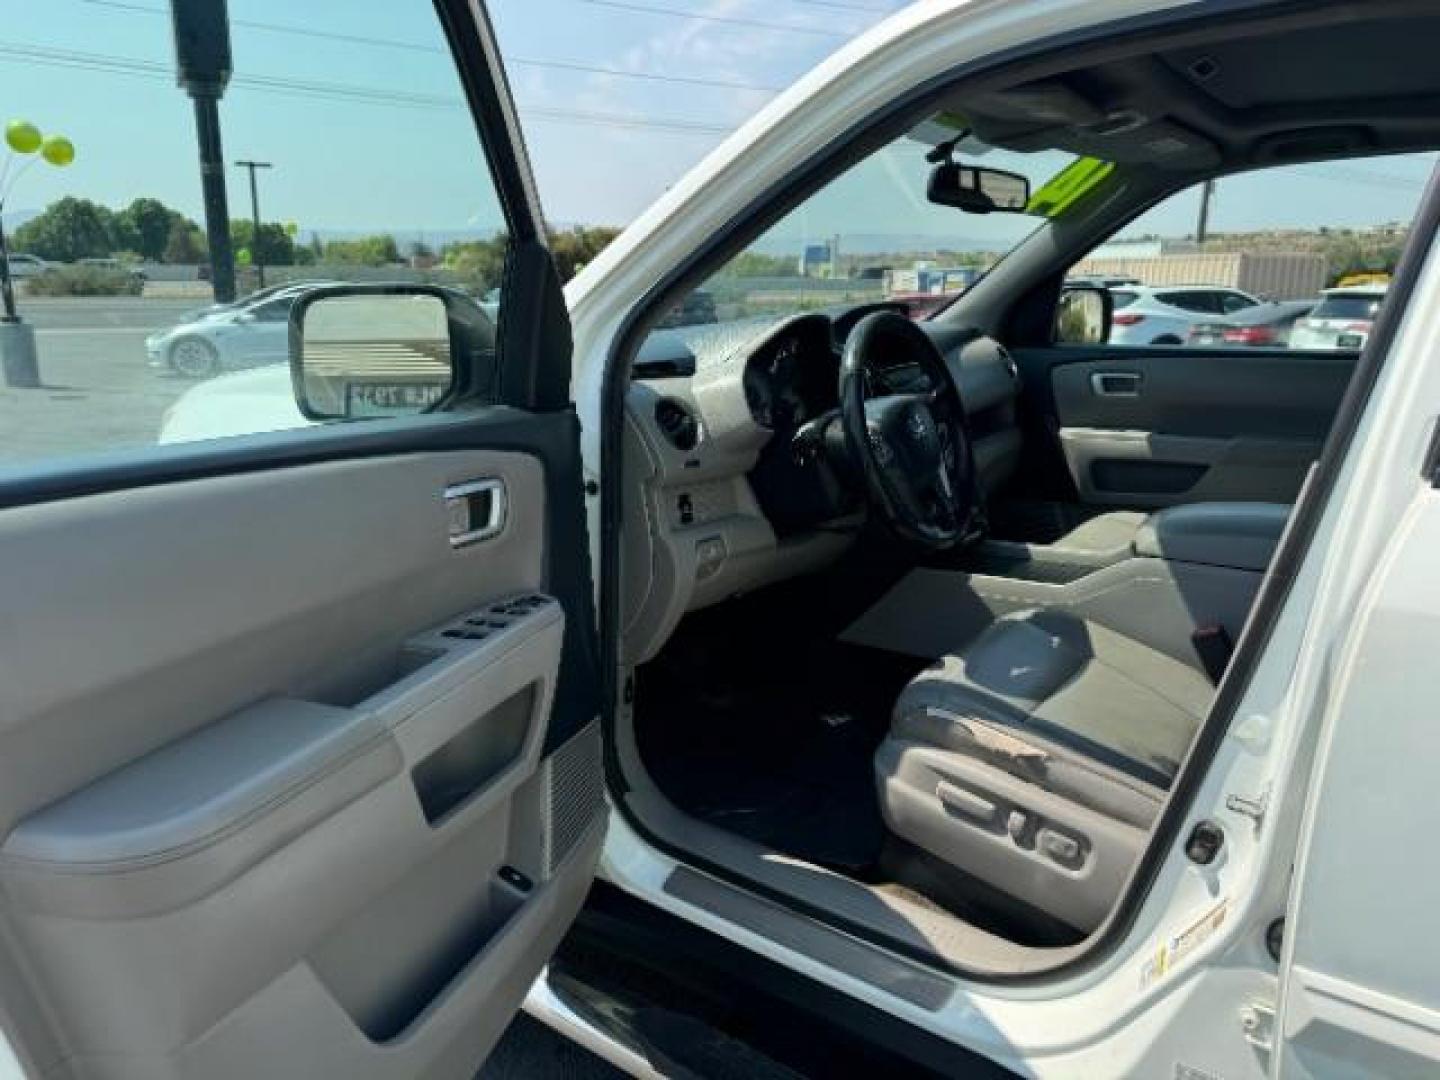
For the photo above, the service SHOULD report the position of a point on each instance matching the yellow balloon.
(22, 136)
(57, 150)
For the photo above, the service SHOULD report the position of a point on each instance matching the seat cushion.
(1111, 533)
(1094, 707)
(1036, 759)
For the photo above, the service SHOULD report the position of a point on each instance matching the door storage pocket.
(175, 825)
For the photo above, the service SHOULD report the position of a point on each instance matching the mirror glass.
(1080, 317)
(979, 191)
(372, 354)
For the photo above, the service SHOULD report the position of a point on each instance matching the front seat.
(1036, 759)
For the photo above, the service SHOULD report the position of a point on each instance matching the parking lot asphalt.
(97, 391)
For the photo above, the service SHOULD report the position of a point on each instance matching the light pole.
(255, 256)
(17, 341)
(202, 68)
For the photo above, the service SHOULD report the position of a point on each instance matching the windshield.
(872, 235)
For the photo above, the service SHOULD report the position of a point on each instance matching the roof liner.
(1363, 79)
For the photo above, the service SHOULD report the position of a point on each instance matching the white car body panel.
(1361, 996)
(1150, 1006)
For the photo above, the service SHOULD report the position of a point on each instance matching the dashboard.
(791, 378)
(727, 500)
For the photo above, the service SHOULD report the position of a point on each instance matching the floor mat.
(774, 743)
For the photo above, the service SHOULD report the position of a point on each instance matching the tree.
(755, 264)
(185, 243)
(68, 230)
(146, 225)
(480, 264)
(378, 250)
(275, 247)
(573, 248)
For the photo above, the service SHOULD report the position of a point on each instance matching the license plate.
(1348, 341)
(1208, 339)
(387, 399)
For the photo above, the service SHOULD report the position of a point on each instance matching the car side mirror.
(978, 190)
(380, 350)
(1083, 315)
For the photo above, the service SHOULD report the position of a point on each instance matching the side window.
(1316, 238)
(274, 310)
(344, 159)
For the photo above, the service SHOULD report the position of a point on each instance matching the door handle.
(1116, 383)
(474, 511)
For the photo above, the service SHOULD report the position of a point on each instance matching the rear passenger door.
(299, 760)
(1130, 426)
(1143, 426)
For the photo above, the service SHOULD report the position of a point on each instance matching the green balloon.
(22, 136)
(57, 150)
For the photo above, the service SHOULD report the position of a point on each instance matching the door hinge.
(1257, 1023)
(1254, 809)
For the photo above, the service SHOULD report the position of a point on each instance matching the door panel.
(273, 805)
(1151, 429)
(299, 754)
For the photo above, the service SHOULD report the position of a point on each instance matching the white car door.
(299, 750)
(1360, 995)
(263, 336)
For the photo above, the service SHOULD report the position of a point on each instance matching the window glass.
(367, 168)
(869, 235)
(1269, 236)
(1346, 306)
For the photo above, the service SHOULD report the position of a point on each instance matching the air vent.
(678, 423)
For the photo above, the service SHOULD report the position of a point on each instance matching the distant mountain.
(881, 243)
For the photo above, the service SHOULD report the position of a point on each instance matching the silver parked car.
(251, 331)
(26, 266)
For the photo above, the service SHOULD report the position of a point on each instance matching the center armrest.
(1242, 535)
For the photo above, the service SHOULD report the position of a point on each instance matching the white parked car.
(245, 335)
(1342, 320)
(1165, 315)
(23, 266)
(973, 697)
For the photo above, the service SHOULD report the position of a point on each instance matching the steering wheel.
(913, 449)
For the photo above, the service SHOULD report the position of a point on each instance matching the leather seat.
(1111, 533)
(1037, 758)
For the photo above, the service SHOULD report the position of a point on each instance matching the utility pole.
(255, 256)
(202, 69)
(1202, 226)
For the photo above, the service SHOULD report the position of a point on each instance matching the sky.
(359, 109)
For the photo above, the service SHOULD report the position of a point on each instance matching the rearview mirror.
(1083, 315)
(978, 190)
(380, 350)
